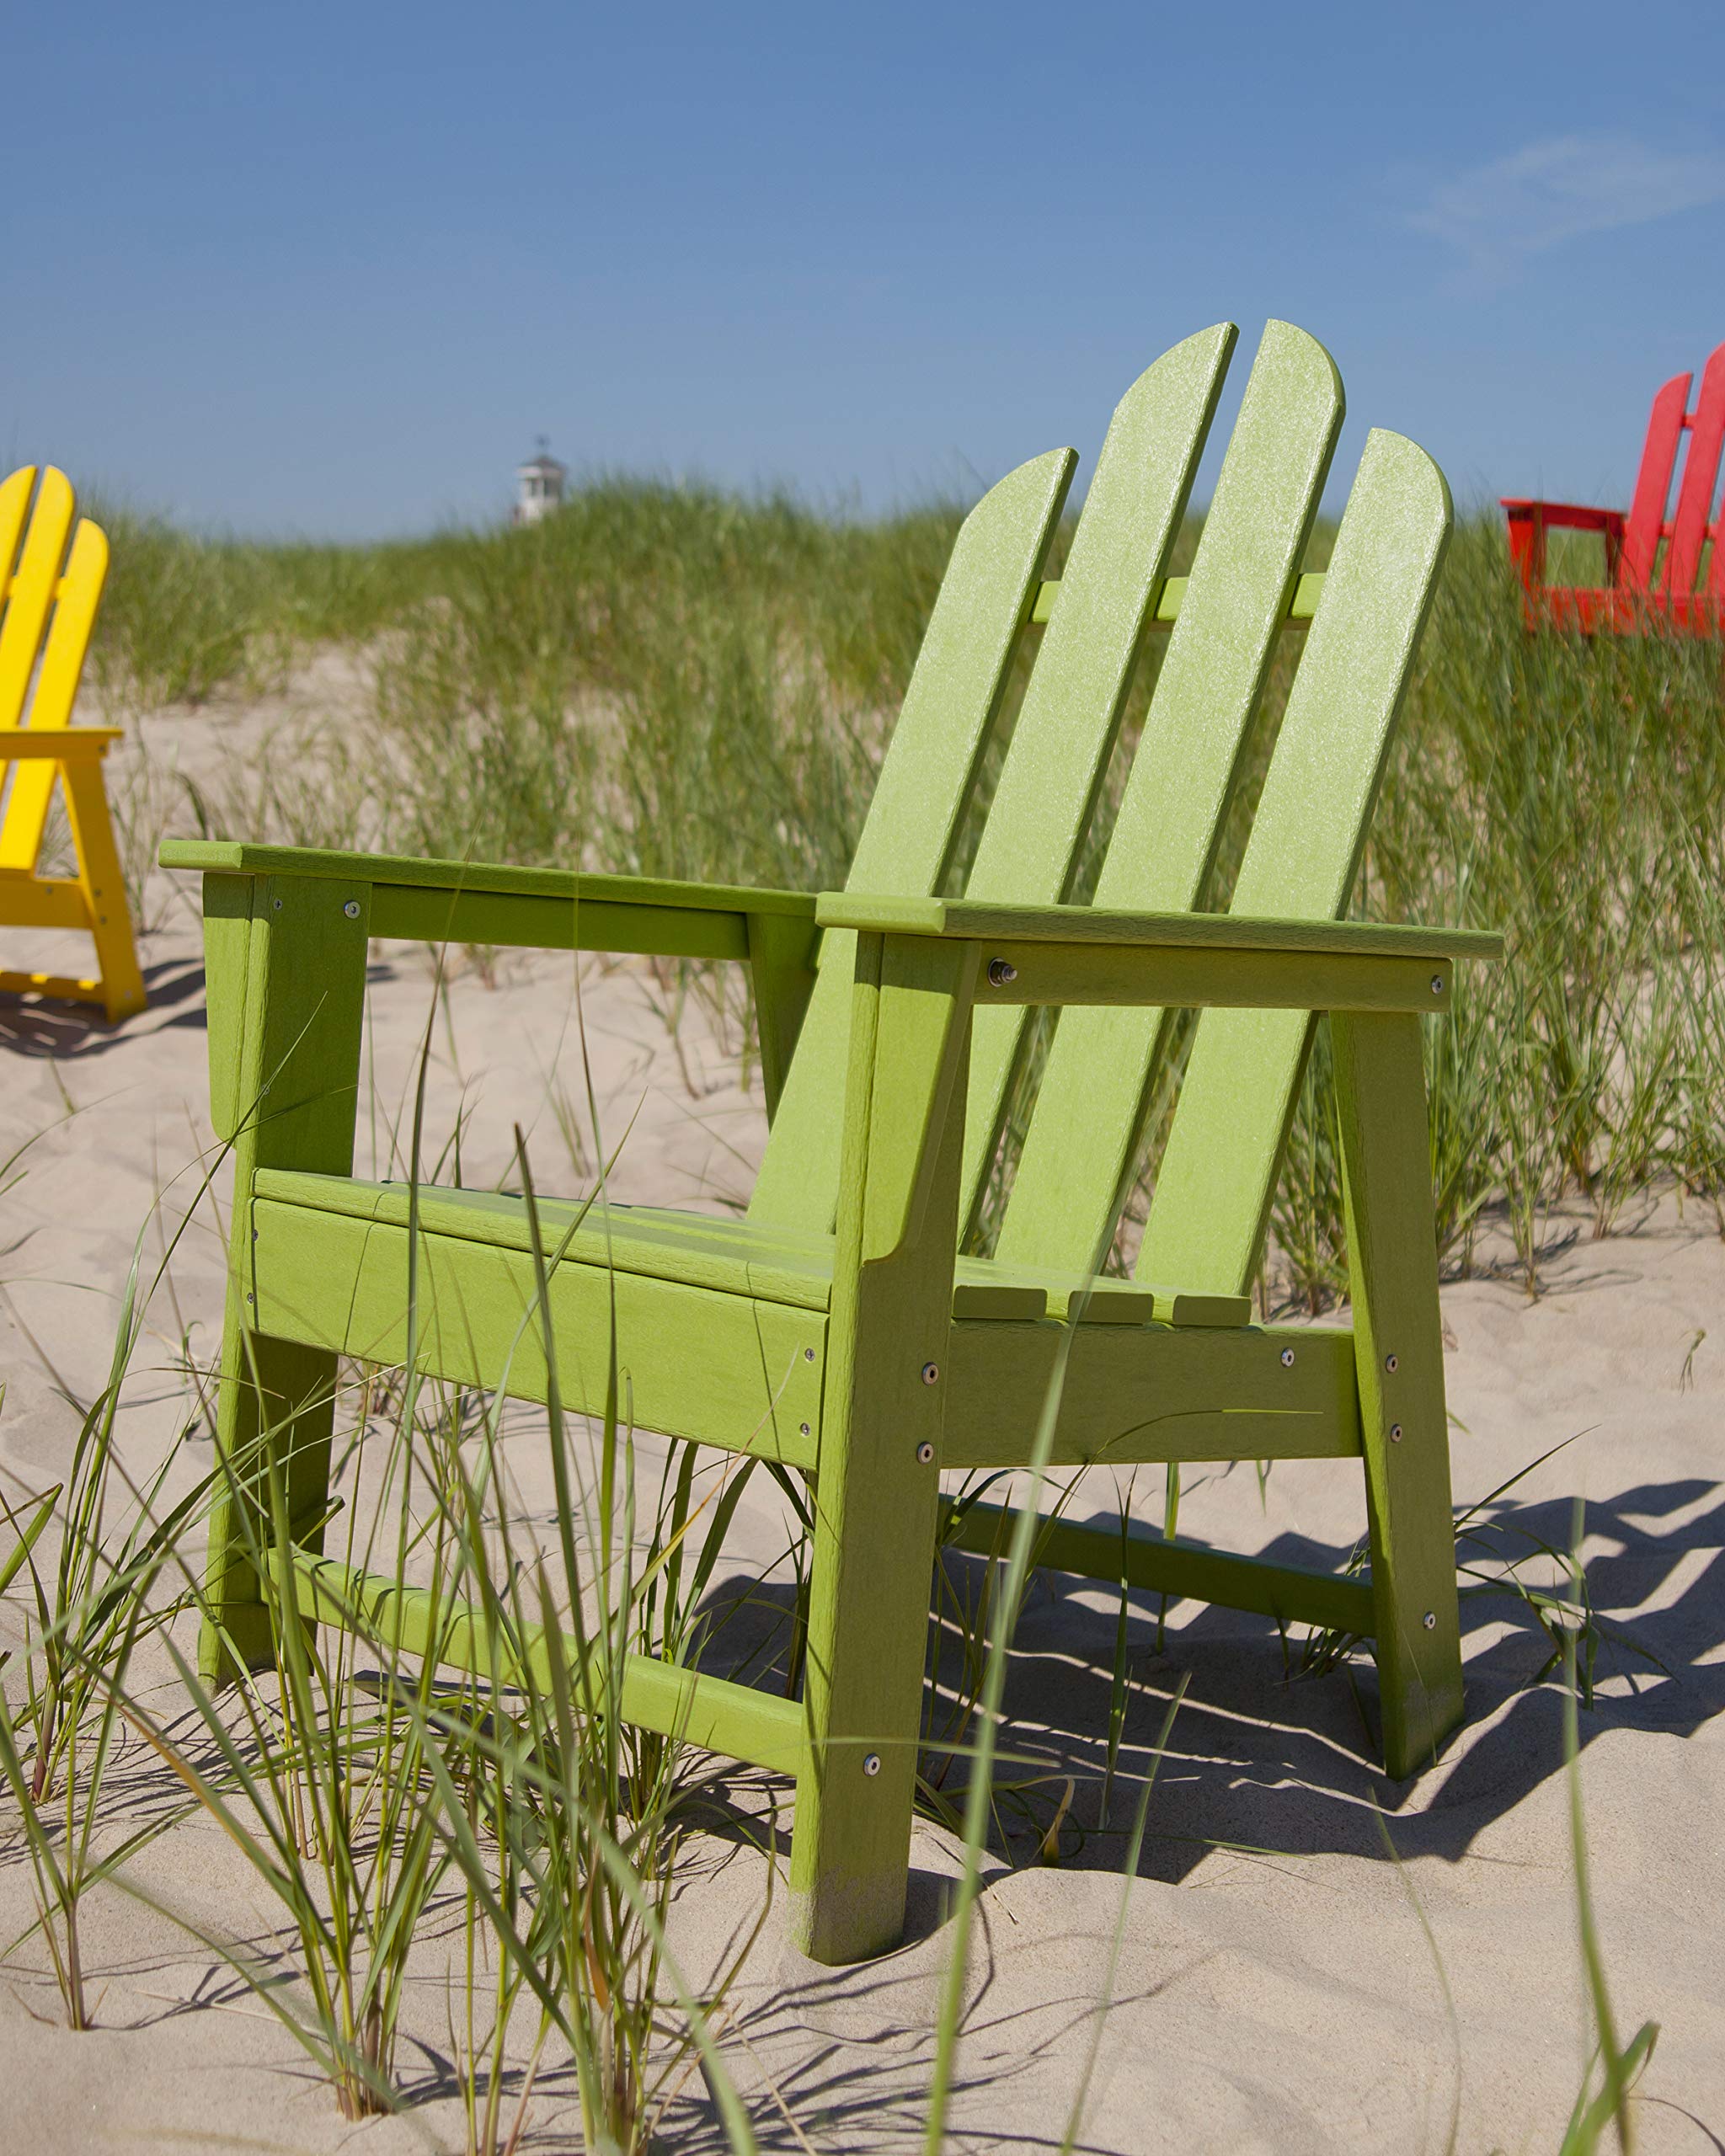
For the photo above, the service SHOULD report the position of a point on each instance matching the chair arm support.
(1081, 954)
(1529, 521)
(62, 744)
(537, 909)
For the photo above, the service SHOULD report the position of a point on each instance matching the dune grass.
(675, 681)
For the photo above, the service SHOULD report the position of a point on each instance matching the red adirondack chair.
(1645, 588)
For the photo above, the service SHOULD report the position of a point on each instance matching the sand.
(1283, 1982)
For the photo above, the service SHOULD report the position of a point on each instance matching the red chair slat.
(1653, 487)
(1700, 476)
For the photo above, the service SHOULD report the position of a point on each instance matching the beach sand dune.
(1311, 1958)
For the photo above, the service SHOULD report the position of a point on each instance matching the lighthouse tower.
(539, 486)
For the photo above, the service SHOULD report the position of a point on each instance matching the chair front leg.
(876, 1488)
(286, 996)
(1399, 1353)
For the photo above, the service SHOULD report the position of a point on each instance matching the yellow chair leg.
(103, 886)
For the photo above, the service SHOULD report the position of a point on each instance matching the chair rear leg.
(1399, 1352)
(104, 890)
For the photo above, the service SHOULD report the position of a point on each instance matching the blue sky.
(330, 269)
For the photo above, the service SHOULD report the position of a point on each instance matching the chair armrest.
(1530, 520)
(1084, 954)
(539, 909)
(64, 744)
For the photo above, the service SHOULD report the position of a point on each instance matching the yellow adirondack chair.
(48, 600)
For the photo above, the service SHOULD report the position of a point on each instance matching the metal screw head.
(1001, 973)
(1430, 1620)
(803, 1427)
(352, 908)
(871, 1763)
(277, 905)
(1395, 1433)
(925, 1454)
(930, 1374)
(1391, 1364)
(1287, 1358)
(808, 1354)
(1437, 984)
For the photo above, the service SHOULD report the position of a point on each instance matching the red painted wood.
(1641, 593)
(1653, 487)
(1701, 477)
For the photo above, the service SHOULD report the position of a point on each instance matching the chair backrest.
(1641, 569)
(48, 600)
(1305, 849)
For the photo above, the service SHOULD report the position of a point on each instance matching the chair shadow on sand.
(1270, 1761)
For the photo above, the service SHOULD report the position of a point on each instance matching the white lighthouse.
(539, 486)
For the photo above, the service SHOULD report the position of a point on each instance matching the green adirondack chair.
(839, 1328)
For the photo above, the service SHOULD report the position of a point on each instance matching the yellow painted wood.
(29, 591)
(48, 601)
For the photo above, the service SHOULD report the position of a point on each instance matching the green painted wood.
(1290, 1593)
(230, 857)
(227, 934)
(1095, 977)
(418, 913)
(874, 1497)
(1141, 1393)
(914, 821)
(1109, 1301)
(1056, 761)
(1211, 931)
(1172, 591)
(1217, 1177)
(684, 1704)
(733, 1257)
(1392, 1265)
(294, 1088)
(699, 1362)
(781, 952)
(1086, 1130)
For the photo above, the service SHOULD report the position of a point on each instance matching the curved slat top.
(1216, 1180)
(1084, 1133)
(1054, 765)
(1653, 486)
(925, 781)
(30, 593)
(1701, 479)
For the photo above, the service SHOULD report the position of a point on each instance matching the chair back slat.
(78, 594)
(30, 592)
(927, 779)
(1053, 769)
(1645, 524)
(1089, 1112)
(1700, 478)
(1217, 1178)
